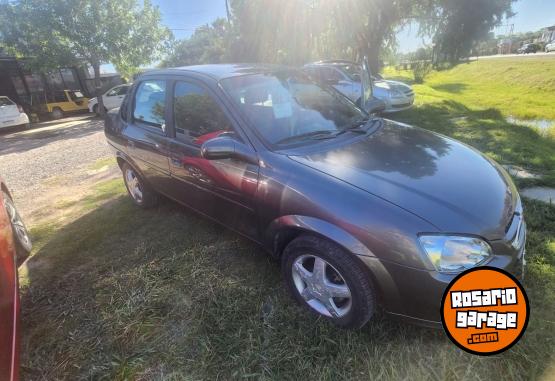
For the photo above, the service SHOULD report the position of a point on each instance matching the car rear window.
(5, 101)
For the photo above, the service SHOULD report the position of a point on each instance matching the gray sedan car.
(344, 76)
(360, 211)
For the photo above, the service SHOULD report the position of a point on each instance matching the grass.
(471, 102)
(121, 293)
(521, 87)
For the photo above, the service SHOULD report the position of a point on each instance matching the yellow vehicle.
(64, 102)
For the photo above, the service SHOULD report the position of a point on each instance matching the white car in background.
(344, 76)
(11, 114)
(550, 47)
(111, 98)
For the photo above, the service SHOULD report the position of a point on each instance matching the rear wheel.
(22, 239)
(328, 281)
(57, 113)
(140, 192)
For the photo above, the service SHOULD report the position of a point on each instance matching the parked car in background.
(550, 47)
(344, 77)
(111, 98)
(528, 48)
(12, 114)
(15, 245)
(64, 102)
(361, 211)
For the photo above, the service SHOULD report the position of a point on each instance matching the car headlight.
(455, 253)
(397, 94)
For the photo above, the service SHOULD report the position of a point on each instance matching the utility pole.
(227, 11)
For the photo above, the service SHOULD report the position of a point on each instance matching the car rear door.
(8, 111)
(221, 189)
(145, 134)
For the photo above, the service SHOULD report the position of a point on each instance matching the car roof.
(221, 71)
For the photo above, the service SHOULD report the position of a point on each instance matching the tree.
(208, 44)
(458, 25)
(53, 33)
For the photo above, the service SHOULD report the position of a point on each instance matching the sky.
(183, 16)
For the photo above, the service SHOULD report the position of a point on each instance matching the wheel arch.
(284, 229)
(5, 189)
(122, 158)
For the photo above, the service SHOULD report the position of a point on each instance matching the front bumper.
(399, 104)
(415, 294)
(17, 121)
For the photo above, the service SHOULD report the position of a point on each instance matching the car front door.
(110, 99)
(221, 189)
(145, 134)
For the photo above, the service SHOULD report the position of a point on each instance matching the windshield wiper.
(358, 126)
(319, 134)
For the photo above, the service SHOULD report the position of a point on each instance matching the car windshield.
(286, 107)
(75, 95)
(352, 71)
(5, 101)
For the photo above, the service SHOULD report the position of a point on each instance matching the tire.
(354, 302)
(21, 235)
(57, 113)
(139, 191)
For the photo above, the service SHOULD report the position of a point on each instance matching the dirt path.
(53, 163)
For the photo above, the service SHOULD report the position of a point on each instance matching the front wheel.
(328, 281)
(57, 113)
(140, 192)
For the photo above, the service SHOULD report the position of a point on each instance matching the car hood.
(447, 183)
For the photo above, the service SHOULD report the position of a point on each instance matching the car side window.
(112, 92)
(150, 103)
(330, 74)
(197, 116)
(122, 90)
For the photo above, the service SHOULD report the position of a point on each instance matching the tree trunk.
(98, 88)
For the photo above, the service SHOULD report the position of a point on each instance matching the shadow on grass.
(488, 131)
(453, 88)
(123, 293)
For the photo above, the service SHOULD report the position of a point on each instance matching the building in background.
(31, 90)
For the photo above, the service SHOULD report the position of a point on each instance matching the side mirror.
(225, 147)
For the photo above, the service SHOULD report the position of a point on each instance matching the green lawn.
(127, 294)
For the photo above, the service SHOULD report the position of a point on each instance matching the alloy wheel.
(17, 224)
(133, 185)
(322, 286)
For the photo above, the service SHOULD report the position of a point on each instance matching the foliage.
(295, 32)
(208, 44)
(420, 69)
(53, 33)
(458, 25)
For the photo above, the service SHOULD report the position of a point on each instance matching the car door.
(145, 134)
(221, 189)
(110, 98)
(8, 111)
(114, 97)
